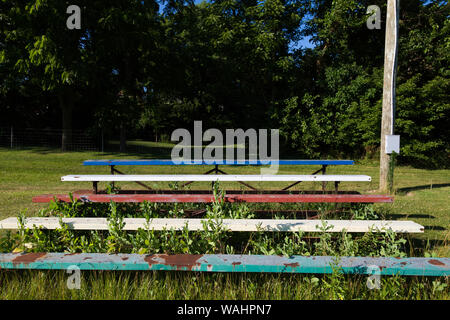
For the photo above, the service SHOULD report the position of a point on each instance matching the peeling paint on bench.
(207, 198)
(228, 263)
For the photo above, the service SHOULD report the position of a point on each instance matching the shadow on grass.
(142, 150)
(420, 246)
(403, 191)
(134, 149)
(139, 151)
(47, 150)
(40, 150)
(439, 228)
(419, 216)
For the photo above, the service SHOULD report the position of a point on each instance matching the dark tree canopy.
(144, 68)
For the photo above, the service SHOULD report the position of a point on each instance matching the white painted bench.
(153, 162)
(286, 225)
(215, 177)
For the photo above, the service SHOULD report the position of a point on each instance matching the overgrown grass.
(421, 196)
(26, 284)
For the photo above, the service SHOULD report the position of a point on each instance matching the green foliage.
(333, 284)
(231, 64)
(385, 244)
(286, 245)
(117, 238)
(364, 212)
(112, 188)
(7, 242)
(325, 245)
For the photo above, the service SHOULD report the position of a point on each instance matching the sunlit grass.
(100, 285)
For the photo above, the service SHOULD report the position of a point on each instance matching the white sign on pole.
(392, 144)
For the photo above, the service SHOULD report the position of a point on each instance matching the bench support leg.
(241, 182)
(207, 172)
(139, 183)
(324, 183)
(95, 187)
(216, 170)
(112, 172)
(315, 172)
(336, 186)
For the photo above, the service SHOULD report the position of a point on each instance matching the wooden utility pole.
(390, 66)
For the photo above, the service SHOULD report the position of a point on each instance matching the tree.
(127, 37)
(108, 51)
(46, 53)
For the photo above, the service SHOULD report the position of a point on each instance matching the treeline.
(145, 68)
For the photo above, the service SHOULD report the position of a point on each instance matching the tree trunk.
(123, 138)
(66, 102)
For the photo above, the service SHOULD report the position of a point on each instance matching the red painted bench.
(194, 197)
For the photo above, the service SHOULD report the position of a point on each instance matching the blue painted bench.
(167, 162)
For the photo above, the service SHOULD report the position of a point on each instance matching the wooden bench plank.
(205, 198)
(215, 177)
(286, 225)
(228, 263)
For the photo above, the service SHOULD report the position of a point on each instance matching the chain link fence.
(19, 138)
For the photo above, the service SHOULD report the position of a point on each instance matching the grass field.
(420, 195)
